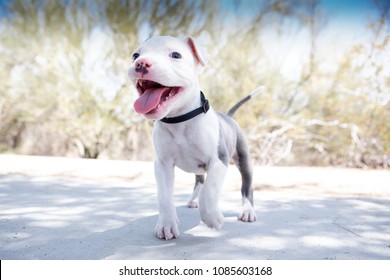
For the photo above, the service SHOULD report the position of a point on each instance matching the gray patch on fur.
(232, 143)
(203, 166)
(199, 179)
(223, 153)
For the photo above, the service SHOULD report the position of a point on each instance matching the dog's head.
(165, 73)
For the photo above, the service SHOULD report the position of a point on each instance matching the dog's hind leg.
(244, 164)
(199, 181)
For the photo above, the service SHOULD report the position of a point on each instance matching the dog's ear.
(199, 53)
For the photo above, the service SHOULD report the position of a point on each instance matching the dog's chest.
(188, 147)
(191, 152)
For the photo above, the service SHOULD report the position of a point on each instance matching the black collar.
(203, 109)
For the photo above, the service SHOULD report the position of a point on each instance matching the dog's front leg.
(209, 195)
(167, 226)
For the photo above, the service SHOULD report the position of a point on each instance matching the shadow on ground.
(64, 218)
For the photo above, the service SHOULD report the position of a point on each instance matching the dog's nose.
(142, 66)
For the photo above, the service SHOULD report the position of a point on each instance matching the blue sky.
(2, 6)
(345, 24)
(348, 7)
(349, 13)
(344, 16)
(335, 7)
(346, 10)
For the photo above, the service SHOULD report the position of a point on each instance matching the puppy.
(187, 132)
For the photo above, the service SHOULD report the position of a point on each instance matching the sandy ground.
(62, 208)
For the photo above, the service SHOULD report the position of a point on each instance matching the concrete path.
(55, 208)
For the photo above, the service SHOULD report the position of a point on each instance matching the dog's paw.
(212, 218)
(167, 230)
(193, 203)
(248, 212)
(248, 215)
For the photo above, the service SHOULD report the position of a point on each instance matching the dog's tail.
(257, 91)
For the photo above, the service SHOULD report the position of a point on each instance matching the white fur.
(190, 145)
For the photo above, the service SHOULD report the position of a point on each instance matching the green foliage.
(64, 89)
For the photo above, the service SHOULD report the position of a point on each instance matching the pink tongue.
(149, 100)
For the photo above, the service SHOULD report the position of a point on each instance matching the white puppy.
(187, 133)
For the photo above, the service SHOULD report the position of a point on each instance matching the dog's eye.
(135, 56)
(175, 55)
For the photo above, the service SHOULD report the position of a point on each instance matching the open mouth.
(152, 96)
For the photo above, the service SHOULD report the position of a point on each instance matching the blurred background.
(325, 64)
